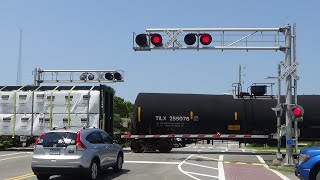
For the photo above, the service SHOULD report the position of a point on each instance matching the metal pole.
(239, 85)
(288, 157)
(35, 74)
(278, 102)
(295, 88)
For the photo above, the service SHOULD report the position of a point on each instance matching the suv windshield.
(58, 139)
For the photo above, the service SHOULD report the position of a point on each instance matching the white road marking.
(203, 157)
(195, 147)
(15, 157)
(189, 146)
(274, 171)
(220, 168)
(203, 147)
(210, 147)
(201, 174)
(200, 165)
(151, 162)
(180, 169)
(15, 153)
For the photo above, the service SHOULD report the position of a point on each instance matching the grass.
(267, 148)
(283, 168)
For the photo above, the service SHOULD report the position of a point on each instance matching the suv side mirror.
(115, 141)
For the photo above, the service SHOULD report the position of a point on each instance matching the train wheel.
(164, 145)
(136, 146)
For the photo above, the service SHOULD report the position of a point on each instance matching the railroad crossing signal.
(145, 40)
(290, 70)
(77, 76)
(210, 39)
(297, 112)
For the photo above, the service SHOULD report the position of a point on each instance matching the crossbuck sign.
(290, 70)
(173, 38)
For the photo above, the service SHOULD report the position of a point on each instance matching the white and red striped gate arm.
(197, 136)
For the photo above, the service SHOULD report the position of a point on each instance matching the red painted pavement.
(248, 172)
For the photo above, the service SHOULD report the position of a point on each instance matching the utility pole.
(19, 71)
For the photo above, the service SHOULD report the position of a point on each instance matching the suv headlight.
(303, 158)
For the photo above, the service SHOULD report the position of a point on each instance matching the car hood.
(310, 150)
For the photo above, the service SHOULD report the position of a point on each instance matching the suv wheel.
(118, 166)
(93, 170)
(315, 173)
(43, 177)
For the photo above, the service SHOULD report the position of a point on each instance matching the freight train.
(27, 111)
(161, 117)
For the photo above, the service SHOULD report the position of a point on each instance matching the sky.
(98, 34)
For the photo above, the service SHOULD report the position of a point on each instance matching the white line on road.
(201, 174)
(220, 168)
(189, 146)
(15, 153)
(276, 172)
(203, 157)
(210, 147)
(203, 147)
(195, 147)
(179, 167)
(200, 165)
(15, 157)
(151, 162)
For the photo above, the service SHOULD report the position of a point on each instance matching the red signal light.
(205, 39)
(156, 39)
(296, 111)
(218, 134)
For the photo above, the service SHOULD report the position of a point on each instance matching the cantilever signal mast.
(19, 71)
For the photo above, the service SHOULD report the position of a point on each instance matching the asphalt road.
(225, 161)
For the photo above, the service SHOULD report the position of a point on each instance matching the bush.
(314, 143)
(4, 144)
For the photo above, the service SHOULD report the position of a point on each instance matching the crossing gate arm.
(197, 136)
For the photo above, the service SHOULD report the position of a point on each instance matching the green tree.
(122, 109)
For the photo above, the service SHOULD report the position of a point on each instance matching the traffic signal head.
(142, 40)
(156, 40)
(190, 39)
(113, 76)
(297, 112)
(86, 76)
(108, 76)
(205, 39)
(172, 40)
(90, 77)
(117, 76)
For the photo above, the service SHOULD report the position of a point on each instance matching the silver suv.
(73, 151)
